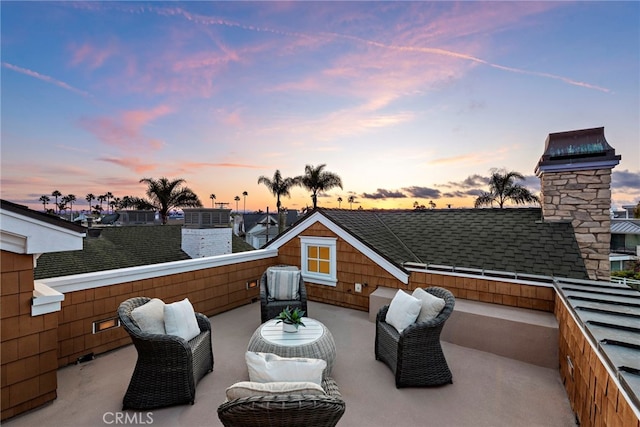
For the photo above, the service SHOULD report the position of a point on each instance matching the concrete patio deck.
(487, 390)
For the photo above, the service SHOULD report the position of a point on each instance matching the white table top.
(307, 334)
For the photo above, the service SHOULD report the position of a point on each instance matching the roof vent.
(577, 150)
(206, 218)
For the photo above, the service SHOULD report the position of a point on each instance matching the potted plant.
(290, 319)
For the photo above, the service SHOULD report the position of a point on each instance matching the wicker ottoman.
(313, 341)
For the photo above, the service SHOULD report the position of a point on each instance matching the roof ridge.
(378, 217)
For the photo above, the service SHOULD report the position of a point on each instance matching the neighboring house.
(625, 243)
(110, 248)
(257, 229)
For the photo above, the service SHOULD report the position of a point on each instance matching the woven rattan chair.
(270, 309)
(415, 356)
(285, 410)
(168, 367)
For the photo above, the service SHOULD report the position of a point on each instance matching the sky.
(406, 101)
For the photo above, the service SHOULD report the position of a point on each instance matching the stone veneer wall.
(594, 396)
(584, 198)
(28, 344)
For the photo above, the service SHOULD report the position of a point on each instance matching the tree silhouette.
(279, 187)
(44, 199)
(101, 199)
(339, 202)
(317, 180)
(503, 188)
(351, 201)
(237, 199)
(244, 207)
(90, 198)
(56, 194)
(213, 198)
(165, 195)
(70, 199)
(108, 196)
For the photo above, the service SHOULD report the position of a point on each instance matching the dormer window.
(318, 260)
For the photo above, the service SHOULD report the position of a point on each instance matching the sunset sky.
(406, 102)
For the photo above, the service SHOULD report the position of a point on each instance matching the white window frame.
(330, 279)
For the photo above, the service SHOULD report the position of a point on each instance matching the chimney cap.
(577, 150)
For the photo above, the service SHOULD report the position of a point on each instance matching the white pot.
(288, 327)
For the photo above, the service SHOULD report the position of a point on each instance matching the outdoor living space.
(487, 390)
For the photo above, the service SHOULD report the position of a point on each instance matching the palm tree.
(165, 195)
(237, 199)
(70, 199)
(212, 197)
(316, 179)
(432, 204)
(339, 201)
(503, 188)
(279, 186)
(244, 207)
(56, 194)
(44, 199)
(109, 196)
(101, 199)
(90, 198)
(351, 200)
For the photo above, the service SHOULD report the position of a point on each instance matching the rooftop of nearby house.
(121, 247)
(511, 240)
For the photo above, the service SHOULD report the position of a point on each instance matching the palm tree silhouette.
(244, 207)
(56, 194)
(503, 188)
(70, 199)
(109, 196)
(351, 200)
(165, 195)
(44, 199)
(317, 180)
(279, 186)
(90, 198)
(237, 199)
(339, 202)
(212, 197)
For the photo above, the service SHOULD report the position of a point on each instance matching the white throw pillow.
(283, 284)
(267, 367)
(180, 319)
(249, 389)
(150, 316)
(431, 305)
(403, 310)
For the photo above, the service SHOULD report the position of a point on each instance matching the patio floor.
(487, 390)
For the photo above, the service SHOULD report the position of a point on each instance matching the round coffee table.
(313, 341)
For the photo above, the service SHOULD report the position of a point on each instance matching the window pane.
(324, 267)
(324, 252)
(312, 265)
(312, 251)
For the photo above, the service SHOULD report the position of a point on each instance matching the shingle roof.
(625, 226)
(121, 247)
(512, 240)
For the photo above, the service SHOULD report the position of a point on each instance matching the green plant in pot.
(291, 319)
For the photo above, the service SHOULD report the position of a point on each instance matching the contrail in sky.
(44, 78)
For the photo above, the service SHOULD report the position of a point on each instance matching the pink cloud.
(90, 55)
(132, 163)
(125, 131)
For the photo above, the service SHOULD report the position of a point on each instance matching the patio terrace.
(487, 390)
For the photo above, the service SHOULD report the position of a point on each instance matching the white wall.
(205, 242)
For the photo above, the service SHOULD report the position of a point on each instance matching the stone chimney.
(206, 232)
(575, 180)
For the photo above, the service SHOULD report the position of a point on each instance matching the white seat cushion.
(403, 310)
(150, 317)
(267, 367)
(249, 389)
(180, 319)
(431, 305)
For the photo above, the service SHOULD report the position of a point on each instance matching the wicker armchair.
(285, 410)
(168, 367)
(270, 309)
(415, 356)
